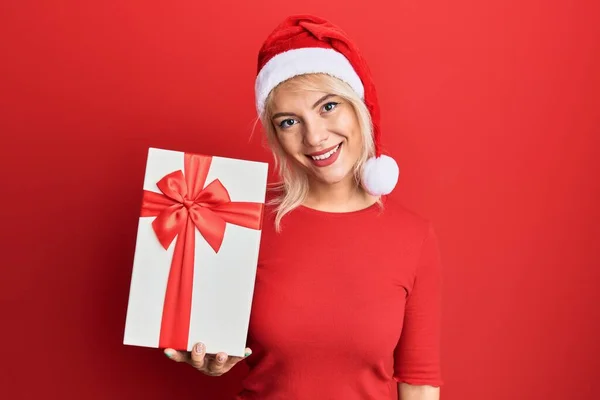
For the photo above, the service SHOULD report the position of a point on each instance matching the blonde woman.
(347, 300)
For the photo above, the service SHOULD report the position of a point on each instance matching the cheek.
(347, 124)
(288, 142)
(349, 127)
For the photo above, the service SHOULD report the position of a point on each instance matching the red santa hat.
(304, 44)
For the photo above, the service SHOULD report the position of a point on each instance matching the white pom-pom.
(380, 175)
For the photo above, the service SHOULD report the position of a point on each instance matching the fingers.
(212, 365)
(216, 366)
(197, 359)
(177, 356)
(226, 363)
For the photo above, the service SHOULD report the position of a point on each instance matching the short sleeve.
(417, 355)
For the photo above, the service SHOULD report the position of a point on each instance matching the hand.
(209, 364)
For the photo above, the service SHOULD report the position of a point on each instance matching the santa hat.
(305, 44)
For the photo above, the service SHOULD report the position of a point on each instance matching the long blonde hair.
(293, 188)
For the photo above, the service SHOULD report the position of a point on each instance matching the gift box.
(196, 252)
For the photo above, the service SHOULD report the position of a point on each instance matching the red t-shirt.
(345, 305)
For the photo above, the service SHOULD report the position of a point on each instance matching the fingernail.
(221, 357)
(248, 352)
(169, 353)
(199, 348)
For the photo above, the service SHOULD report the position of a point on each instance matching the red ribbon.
(185, 205)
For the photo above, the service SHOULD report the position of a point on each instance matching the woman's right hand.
(209, 364)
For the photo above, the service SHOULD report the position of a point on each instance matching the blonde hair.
(293, 188)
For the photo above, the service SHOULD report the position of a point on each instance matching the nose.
(314, 133)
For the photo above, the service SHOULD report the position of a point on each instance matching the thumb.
(234, 360)
(247, 353)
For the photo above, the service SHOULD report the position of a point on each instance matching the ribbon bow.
(185, 205)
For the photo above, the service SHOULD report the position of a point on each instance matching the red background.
(491, 109)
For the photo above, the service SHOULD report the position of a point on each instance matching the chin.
(333, 178)
(340, 171)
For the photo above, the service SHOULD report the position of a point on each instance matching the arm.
(417, 356)
(417, 392)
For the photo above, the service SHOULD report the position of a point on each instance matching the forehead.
(296, 94)
(285, 99)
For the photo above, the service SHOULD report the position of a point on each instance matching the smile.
(326, 157)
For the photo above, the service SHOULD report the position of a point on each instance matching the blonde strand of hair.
(293, 187)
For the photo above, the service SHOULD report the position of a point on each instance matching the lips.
(318, 153)
(325, 157)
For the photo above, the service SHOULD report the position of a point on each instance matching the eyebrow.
(285, 114)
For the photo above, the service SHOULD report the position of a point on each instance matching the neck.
(343, 196)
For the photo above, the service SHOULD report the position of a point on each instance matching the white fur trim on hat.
(380, 175)
(304, 61)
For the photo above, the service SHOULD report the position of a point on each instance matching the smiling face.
(318, 131)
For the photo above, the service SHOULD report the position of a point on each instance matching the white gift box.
(196, 252)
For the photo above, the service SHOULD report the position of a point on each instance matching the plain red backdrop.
(491, 108)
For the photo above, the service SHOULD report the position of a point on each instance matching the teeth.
(326, 155)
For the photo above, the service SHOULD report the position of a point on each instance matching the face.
(319, 132)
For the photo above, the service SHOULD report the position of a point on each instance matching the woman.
(347, 296)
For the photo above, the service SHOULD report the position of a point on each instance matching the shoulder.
(415, 236)
(400, 217)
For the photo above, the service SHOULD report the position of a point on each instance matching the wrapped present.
(196, 252)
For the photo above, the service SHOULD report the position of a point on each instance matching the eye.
(286, 123)
(330, 106)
